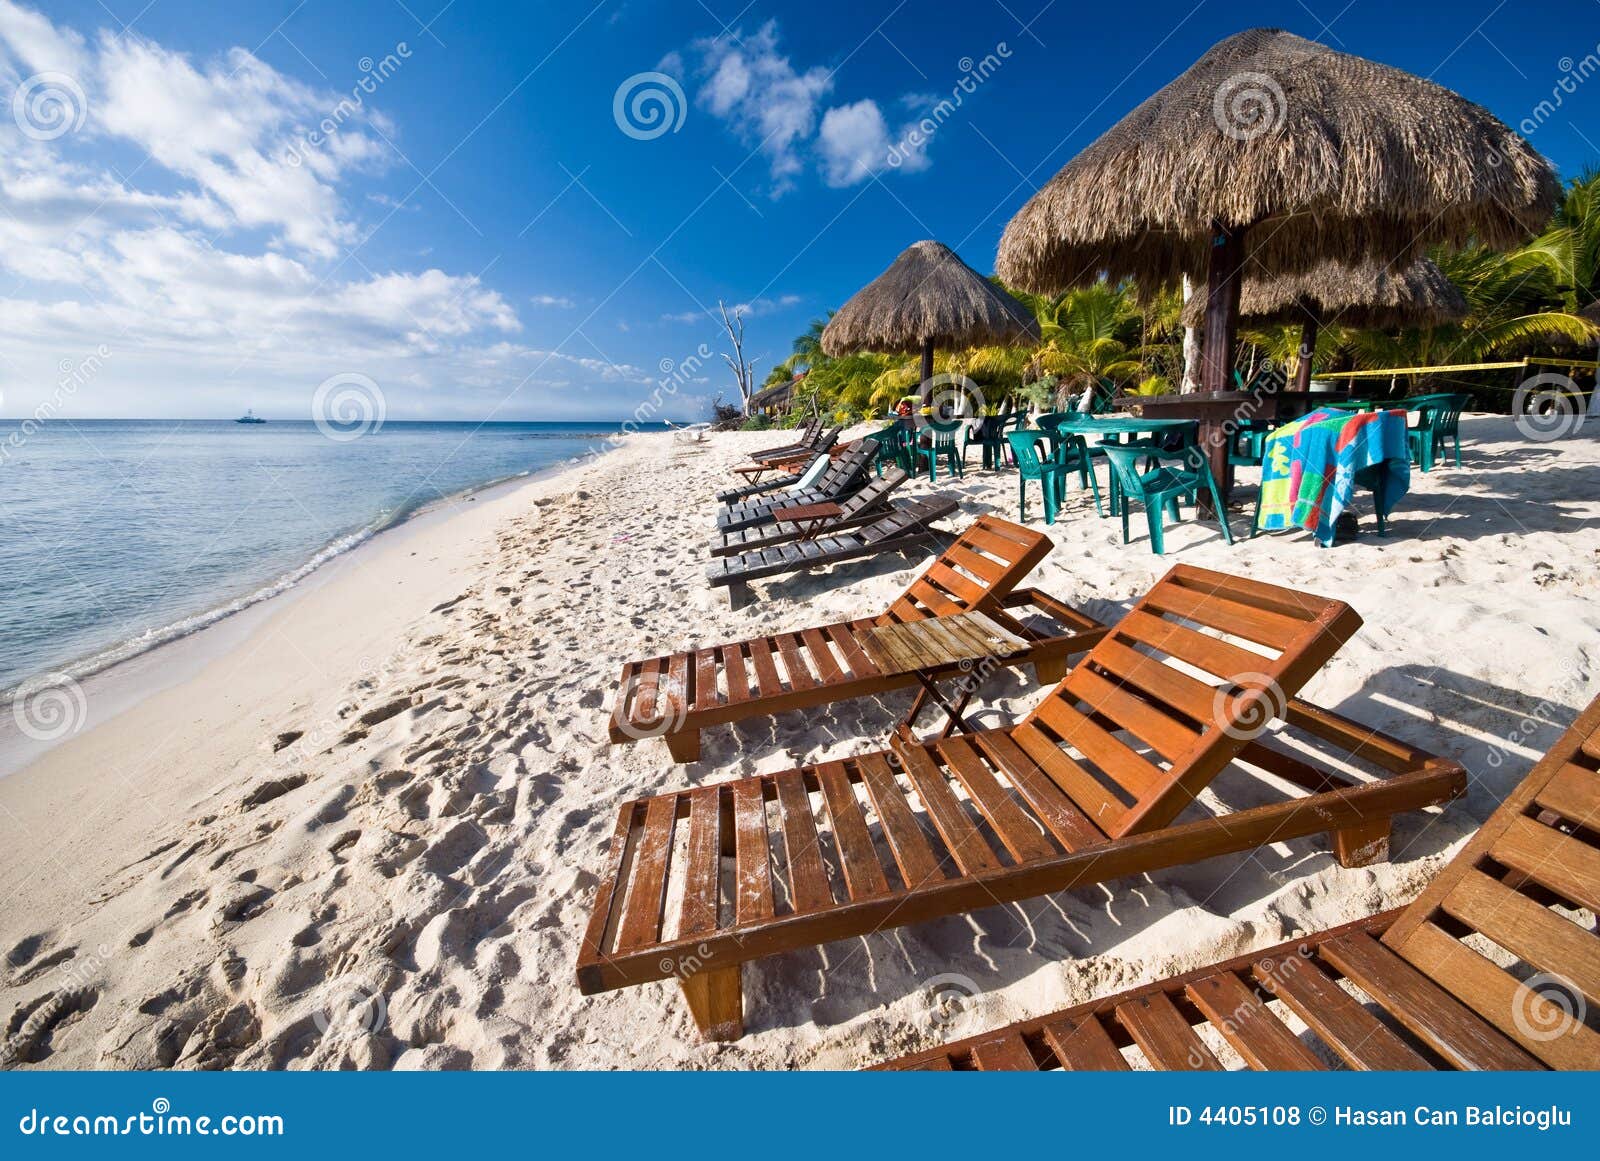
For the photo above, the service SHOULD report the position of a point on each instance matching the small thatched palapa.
(928, 297)
(1370, 295)
(1317, 153)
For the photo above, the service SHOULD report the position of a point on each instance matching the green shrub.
(756, 423)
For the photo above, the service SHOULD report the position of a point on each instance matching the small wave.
(186, 626)
(194, 623)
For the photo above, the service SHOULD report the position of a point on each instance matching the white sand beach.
(367, 833)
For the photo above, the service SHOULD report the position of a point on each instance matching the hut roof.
(928, 293)
(1323, 153)
(1367, 295)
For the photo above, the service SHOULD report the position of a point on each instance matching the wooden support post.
(684, 745)
(716, 1000)
(1050, 671)
(1363, 845)
(925, 390)
(1308, 349)
(1224, 279)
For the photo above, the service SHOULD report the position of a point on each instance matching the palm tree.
(1569, 250)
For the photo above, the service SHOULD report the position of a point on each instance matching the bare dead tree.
(743, 370)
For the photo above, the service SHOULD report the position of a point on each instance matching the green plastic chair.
(1032, 466)
(941, 443)
(1163, 488)
(1438, 420)
(991, 437)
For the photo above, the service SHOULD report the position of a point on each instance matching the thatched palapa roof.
(1323, 153)
(928, 294)
(1591, 312)
(778, 395)
(1370, 294)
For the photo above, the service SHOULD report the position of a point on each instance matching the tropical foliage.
(1525, 302)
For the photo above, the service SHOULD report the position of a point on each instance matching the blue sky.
(196, 216)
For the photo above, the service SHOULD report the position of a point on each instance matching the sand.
(367, 833)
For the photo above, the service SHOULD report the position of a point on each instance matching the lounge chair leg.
(1050, 672)
(684, 745)
(1363, 845)
(716, 1000)
(739, 595)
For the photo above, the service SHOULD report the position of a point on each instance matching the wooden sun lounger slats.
(740, 679)
(1425, 994)
(1164, 1036)
(863, 873)
(1083, 1045)
(753, 858)
(1005, 815)
(1360, 1038)
(1248, 1025)
(915, 858)
(905, 528)
(698, 913)
(1005, 1052)
(843, 478)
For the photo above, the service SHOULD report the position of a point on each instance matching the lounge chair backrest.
(851, 465)
(1537, 848)
(975, 574)
(874, 492)
(812, 474)
(827, 439)
(1200, 665)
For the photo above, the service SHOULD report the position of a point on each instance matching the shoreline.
(120, 677)
(394, 795)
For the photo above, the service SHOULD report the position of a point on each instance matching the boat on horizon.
(249, 416)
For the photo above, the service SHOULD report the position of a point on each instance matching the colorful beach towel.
(1311, 467)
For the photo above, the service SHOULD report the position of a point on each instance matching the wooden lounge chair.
(1435, 1001)
(790, 461)
(843, 478)
(676, 696)
(816, 439)
(1087, 788)
(804, 475)
(906, 527)
(800, 442)
(864, 507)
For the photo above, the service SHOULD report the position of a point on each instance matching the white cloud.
(769, 103)
(854, 144)
(773, 106)
(219, 273)
(560, 301)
